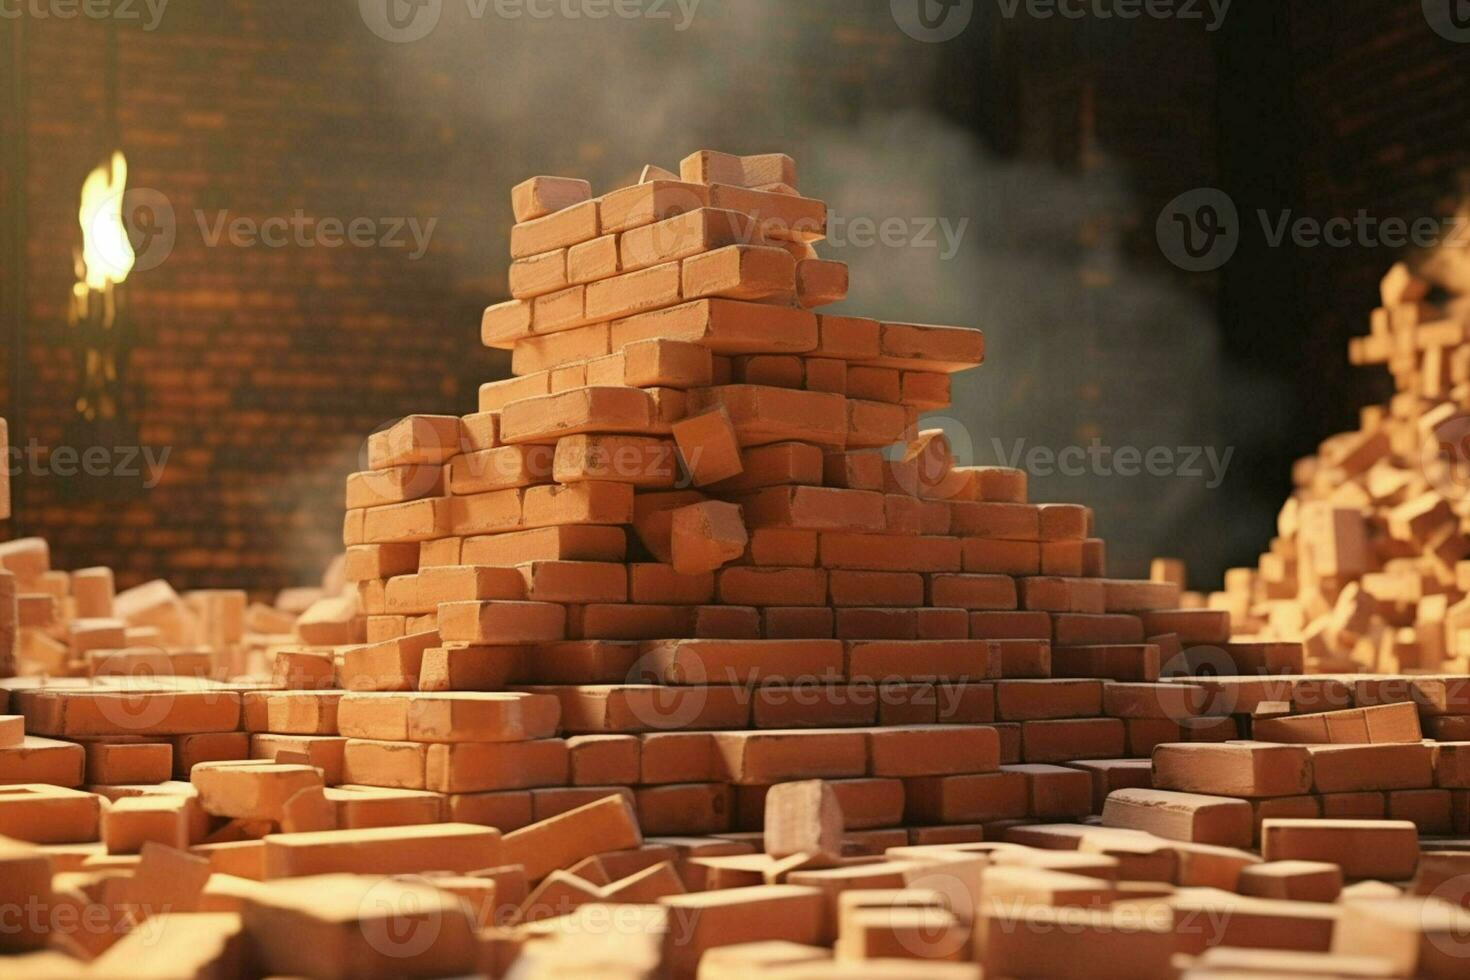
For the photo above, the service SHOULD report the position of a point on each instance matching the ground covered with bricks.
(692, 654)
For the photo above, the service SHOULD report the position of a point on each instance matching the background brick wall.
(262, 369)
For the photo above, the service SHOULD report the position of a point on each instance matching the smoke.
(1089, 351)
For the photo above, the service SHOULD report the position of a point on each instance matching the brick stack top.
(696, 483)
(1368, 569)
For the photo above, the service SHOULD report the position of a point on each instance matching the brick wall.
(261, 369)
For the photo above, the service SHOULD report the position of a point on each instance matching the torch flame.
(107, 254)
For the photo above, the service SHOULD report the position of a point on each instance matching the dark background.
(1059, 142)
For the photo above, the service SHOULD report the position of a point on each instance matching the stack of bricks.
(659, 666)
(76, 624)
(698, 545)
(1354, 749)
(1368, 569)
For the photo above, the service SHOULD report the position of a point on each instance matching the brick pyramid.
(699, 544)
(1368, 569)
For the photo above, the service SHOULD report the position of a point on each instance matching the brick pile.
(659, 665)
(674, 546)
(1368, 567)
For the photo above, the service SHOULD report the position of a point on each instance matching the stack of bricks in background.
(75, 624)
(1368, 570)
(675, 538)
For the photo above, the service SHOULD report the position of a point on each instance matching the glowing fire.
(107, 255)
(102, 263)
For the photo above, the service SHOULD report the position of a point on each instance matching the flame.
(107, 254)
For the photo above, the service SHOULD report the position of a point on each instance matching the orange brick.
(121, 762)
(471, 767)
(920, 660)
(661, 584)
(559, 229)
(1055, 792)
(503, 324)
(606, 825)
(537, 275)
(977, 798)
(725, 326)
(820, 282)
(472, 668)
(713, 167)
(1383, 849)
(690, 233)
(415, 440)
(705, 536)
(913, 347)
(588, 502)
(633, 292)
(776, 370)
(562, 543)
(638, 460)
(778, 216)
(649, 202)
(537, 197)
(654, 515)
(603, 759)
(803, 818)
(550, 417)
(815, 508)
(745, 272)
(561, 339)
(796, 622)
(499, 469)
(849, 588)
(414, 521)
(569, 582)
(709, 447)
(501, 622)
(1245, 769)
